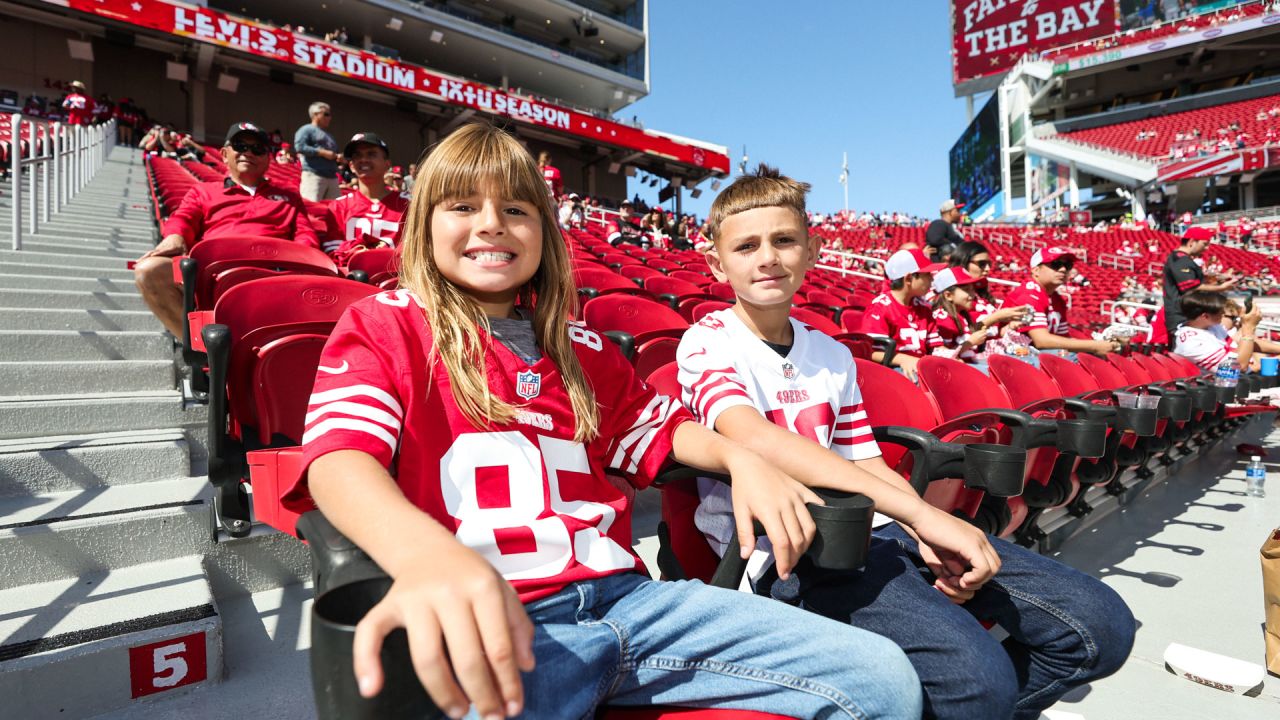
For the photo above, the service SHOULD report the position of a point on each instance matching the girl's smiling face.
(488, 246)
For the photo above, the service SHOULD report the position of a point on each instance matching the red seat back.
(1025, 384)
(663, 285)
(1108, 376)
(1071, 377)
(693, 277)
(1154, 368)
(221, 254)
(708, 306)
(378, 263)
(640, 318)
(1133, 372)
(722, 290)
(815, 321)
(958, 388)
(605, 281)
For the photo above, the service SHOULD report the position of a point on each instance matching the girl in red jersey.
(957, 332)
(484, 450)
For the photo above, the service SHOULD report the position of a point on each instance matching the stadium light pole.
(742, 166)
(844, 180)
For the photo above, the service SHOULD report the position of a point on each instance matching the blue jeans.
(1065, 627)
(627, 640)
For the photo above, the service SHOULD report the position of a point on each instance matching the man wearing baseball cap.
(941, 235)
(78, 104)
(243, 203)
(370, 216)
(1048, 326)
(1182, 274)
(900, 313)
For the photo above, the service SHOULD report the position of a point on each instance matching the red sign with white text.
(255, 38)
(167, 665)
(989, 36)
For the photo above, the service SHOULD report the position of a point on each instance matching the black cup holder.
(996, 469)
(1242, 389)
(843, 536)
(1139, 421)
(1175, 406)
(1203, 398)
(333, 619)
(1086, 438)
(1224, 395)
(1269, 381)
(1254, 381)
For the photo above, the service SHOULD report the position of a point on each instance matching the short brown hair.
(766, 187)
(1202, 302)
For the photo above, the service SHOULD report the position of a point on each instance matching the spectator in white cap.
(1048, 328)
(941, 235)
(957, 333)
(901, 313)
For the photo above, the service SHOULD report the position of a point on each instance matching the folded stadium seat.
(905, 421)
(377, 265)
(707, 306)
(815, 320)
(594, 282)
(691, 276)
(209, 263)
(722, 290)
(647, 331)
(1205, 403)
(264, 344)
(680, 295)
(959, 390)
(639, 272)
(1109, 377)
(1177, 405)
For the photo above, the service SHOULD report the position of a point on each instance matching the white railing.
(1154, 268)
(59, 161)
(824, 254)
(1001, 238)
(1119, 262)
(598, 214)
(1028, 243)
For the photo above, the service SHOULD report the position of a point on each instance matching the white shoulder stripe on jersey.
(636, 442)
(353, 408)
(363, 426)
(342, 393)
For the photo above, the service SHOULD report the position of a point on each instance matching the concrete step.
(71, 299)
(70, 534)
(87, 376)
(119, 273)
(119, 640)
(96, 249)
(38, 416)
(38, 466)
(77, 320)
(28, 281)
(58, 259)
(46, 345)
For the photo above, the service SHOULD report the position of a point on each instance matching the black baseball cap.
(365, 138)
(242, 128)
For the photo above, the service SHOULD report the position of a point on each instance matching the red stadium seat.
(815, 321)
(652, 330)
(707, 306)
(592, 282)
(377, 264)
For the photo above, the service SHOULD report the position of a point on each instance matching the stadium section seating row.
(1252, 117)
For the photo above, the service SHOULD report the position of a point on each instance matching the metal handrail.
(57, 170)
(878, 261)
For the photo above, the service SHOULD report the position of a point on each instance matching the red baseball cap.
(905, 262)
(1045, 256)
(1197, 233)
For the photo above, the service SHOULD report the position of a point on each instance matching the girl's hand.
(469, 636)
(763, 493)
(958, 554)
(1004, 315)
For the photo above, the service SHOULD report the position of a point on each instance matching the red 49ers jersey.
(1048, 310)
(909, 326)
(354, 219)
(812, 392)
(533, 501)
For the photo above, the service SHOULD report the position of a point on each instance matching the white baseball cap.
(905, 262)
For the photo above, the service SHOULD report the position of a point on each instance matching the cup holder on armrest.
(1203, 397)
(1139, 421)
(996, 469)
(334, 616)
(1225, 395)
(843, 536)
(1083, 409)
(1083, 437)
(1174, 404)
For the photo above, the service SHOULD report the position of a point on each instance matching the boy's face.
(764, 254)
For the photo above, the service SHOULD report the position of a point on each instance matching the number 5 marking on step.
(168, 664)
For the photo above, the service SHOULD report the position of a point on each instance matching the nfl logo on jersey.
(528, 384)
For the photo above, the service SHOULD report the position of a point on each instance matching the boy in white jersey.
(1204, 341)
(752, 373)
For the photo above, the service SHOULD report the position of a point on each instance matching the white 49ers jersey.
(528, 497)
(812, 392)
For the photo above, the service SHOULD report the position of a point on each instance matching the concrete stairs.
(114, 572)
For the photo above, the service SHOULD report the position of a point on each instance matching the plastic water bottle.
(1226, 375)
(1256, 475)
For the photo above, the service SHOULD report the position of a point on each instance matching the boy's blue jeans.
(1066, 628)
(627, 640)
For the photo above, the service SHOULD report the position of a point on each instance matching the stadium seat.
(377, 264)
(592, 283)
(816, 321)
(707, 306)
(264, 343)
(649, 329)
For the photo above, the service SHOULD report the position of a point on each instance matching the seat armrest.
(932, 459)
(886, 346)
(1028, 432)
(624, 341)
(335, 559)
(1091, 411)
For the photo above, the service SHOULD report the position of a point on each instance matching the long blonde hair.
(479, 157)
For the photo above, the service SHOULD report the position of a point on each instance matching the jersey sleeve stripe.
(364, 426)
(357, 409)
(634, 444)
(342, 393)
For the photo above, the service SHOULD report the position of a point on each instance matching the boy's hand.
(958, 554)
(469, 636)
(1004, 315)
(760, 492)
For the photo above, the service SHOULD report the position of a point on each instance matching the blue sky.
(801, 82)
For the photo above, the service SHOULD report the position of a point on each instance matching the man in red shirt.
(900, 313)
(623, 229)
(1048, 326)
(244, 203)
(551, 174)
(79, 105)
(370, 216)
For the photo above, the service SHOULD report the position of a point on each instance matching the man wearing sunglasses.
(243, 203)
(1048, 326)
(319, 152)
